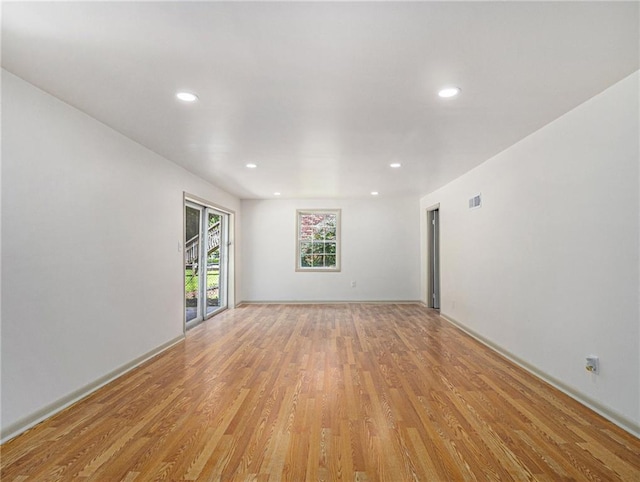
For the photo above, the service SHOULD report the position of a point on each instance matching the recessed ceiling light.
(251, 165)
(374, 193)
(276, 193)
(395, 165)
(187, 96)
(449, 92)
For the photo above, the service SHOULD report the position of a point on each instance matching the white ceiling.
(323, 96)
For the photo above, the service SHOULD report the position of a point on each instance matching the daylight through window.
(318, 240)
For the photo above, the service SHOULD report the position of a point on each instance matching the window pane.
(317, 238)
(306, 233)
(305, 248)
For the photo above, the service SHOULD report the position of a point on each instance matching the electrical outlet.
(592, 364)
(353, 284)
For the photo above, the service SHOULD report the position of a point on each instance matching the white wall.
(547, 268)
(380, 251)
(91, 273)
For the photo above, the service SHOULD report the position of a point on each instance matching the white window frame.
(299, 241)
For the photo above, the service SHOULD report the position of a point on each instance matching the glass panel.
(191, 255)
(306, 230)
(213, 237)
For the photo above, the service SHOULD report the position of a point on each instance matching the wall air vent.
(475, 201)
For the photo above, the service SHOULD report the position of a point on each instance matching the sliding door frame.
(229, 259)
(223, 262)
(200, 312)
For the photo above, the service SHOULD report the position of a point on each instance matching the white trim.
(614, 417)
(433, 207)
(22, 425)
(330, 302)
(205, 203)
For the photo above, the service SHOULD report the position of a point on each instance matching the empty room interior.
(372, 241)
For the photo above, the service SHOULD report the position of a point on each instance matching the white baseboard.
(24, 424)
(614, 417)
(328, 302)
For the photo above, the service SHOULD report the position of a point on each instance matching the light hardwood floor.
(325, 392)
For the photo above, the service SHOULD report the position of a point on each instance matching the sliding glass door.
(216, 261)
(205, 262)
(193, 225)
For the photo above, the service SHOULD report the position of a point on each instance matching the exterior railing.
(192, 246)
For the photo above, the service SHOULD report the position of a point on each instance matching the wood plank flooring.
(364, 392)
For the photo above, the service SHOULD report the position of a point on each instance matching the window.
(318, 243)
